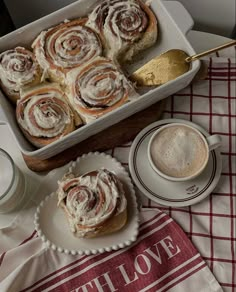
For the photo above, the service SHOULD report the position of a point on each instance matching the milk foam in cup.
(12, 184)
(179, 152)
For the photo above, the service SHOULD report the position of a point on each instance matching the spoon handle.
(197, 56)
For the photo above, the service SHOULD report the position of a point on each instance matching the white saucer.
(53, 228)
(161, 190)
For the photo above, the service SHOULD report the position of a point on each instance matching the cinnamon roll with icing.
(18, 68)
(126, 27)
(44, 114)
(66, 46)
(94, 203)
(98, 88)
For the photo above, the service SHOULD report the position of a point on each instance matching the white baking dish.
(174, 22)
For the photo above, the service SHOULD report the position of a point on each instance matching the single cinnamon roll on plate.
(44, 114)
(94, 203)
(66, 46)
(18, 68)
(97, 88)
(106, 213)
(126, 27)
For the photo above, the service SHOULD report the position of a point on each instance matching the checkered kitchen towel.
(164, 257)
(210, 224)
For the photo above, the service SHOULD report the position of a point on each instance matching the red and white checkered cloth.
(198, 257)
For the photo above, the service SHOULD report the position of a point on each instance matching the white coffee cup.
(179, 152)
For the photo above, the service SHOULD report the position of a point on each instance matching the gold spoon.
(169, 66)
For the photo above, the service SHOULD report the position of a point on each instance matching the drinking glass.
(12, 184)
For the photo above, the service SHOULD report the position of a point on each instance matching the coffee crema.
(178, 151)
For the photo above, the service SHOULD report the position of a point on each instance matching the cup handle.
(213, 141)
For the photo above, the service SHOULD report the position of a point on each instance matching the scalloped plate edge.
(120, 245)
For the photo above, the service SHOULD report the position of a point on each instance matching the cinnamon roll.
(44, 115)
(66, 46)
(98, 88)
(18, 68)
(126, 27)
(94, 203)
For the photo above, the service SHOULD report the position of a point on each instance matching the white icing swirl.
(44, 114)
(91, 200)
(121, 23)
(18, 67)
(66, 46)
(98, 88)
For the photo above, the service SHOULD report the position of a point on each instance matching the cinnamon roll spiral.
(18, 68)
(123, 24)
(44, 115)
(98, 88)
(92, 201)
(66, 46)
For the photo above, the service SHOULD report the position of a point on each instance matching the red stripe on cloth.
(129, 276)
(189, 208)
(221, 260)
(52, 274)
(29, 238)
(24, 241)
(201, 114)
(230, 176)
(147, 260)
(223, 74)
(207, 214)
(225, 194)
(204, 96)
(224, 134)
(105, 257)
(211, 198)
(185, 277)
(153, 219)
(211, 236)
(2, 257)
(222, 68)
(154, 224)
(172, 102)
(175, 278)
(221, 79)
(142, 225)
(227, 153)
(228, 285)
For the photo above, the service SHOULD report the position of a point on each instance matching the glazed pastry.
(44, 114)
(18, 68)
(94, 203)
(98, 88)
(126, 27)
(66, 46)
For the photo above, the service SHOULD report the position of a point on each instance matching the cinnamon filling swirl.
(91, 199)
(44, 113)
(18, 68)
(98, 88)
(67, 45)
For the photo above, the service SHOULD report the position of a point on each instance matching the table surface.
(199, 40)
(209, 225)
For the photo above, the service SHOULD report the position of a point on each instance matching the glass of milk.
(12, 184)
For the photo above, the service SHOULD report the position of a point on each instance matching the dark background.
(6, 24)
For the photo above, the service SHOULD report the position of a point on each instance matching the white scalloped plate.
(52, 226)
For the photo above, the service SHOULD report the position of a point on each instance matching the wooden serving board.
(116, 135)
